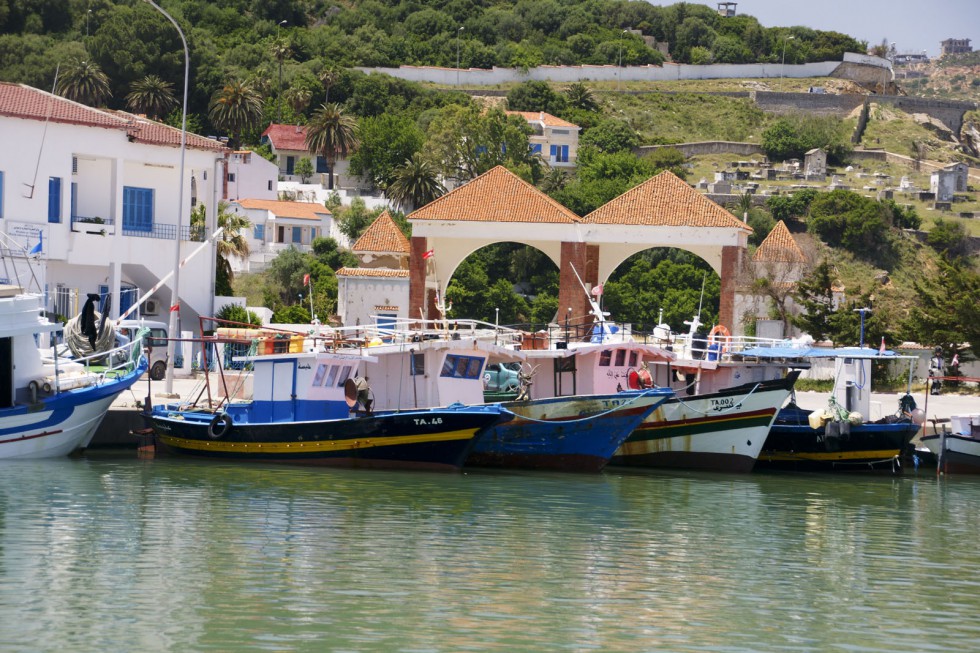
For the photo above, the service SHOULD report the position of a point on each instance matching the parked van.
(157, 343)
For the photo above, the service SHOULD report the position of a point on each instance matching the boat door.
(284, 390)
(6, 373)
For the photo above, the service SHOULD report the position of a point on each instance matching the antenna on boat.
(696, 322)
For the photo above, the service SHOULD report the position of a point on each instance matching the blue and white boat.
(50, 405)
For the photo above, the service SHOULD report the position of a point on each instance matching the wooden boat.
(957, 448)
(51, 405)
(312, 407)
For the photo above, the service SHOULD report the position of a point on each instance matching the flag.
(428, 254)
(881, 350)
(306, 279)
(175, 308)
(597, 291)
(40, 244)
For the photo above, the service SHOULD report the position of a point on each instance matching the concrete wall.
(707, 147)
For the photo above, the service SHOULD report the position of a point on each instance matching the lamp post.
(174, 294)
(619, 74)
(458, 31)
(782, 68)
(279, 56)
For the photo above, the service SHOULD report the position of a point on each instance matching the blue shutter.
(259, 231)
(554, 151)
(321, 164)
(535, 148)
(564, 154)
(290, 164)
(54, 199)
(137, 209)
(297, 234)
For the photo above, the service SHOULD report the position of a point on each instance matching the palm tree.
(298, 98)
(231, 243)
(328, 77)
(84, 81)
(331, 134)
(580, 97)
(416, 183)
(235, 108)
(151, 96)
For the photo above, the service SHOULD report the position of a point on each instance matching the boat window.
(605, 357)
(566, 364)
(321, 370)
(448, 365)
(331, 378)
(344, 375)
(462, 367)
(620, 357)
(473, 371)
(632, 359)
(418, 364)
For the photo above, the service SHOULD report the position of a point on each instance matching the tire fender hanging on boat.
(220, 426)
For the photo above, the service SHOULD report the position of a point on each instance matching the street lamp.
(457, 54)
(279, 56)
(620, 65)
(174, 295)
(782, 68)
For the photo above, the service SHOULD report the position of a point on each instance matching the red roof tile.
(664, 200)
(25, 102)
(286, 137)
(371, 272)
(284, 209)
(779, 246)
(540, 116)
(496, 196)
(382, 236)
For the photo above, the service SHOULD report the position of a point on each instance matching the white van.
(157, 343)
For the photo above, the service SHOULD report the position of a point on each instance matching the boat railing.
(61, 373)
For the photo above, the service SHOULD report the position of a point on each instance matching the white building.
(278, 225)
(101, 188)
(288, 144)
(252, 176)
(556, 140)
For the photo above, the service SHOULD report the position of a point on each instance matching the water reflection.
(111, 553)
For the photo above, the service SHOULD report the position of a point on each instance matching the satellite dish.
(356, 391)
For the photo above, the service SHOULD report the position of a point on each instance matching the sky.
(912, 25)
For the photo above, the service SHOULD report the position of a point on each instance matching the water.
(110, 553)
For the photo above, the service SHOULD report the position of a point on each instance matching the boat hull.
(62, 423)
(720, 431)
(868, 446)
(578, 434)
(437, 439)
(961, 454)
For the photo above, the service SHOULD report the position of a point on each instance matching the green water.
(111, 553)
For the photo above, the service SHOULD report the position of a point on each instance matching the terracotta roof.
(382, 236)
(286, 137)
(664, 200)
(20, 101)
(370, 272)
(545, 118)
(302, 210)
(496, 196)
(779, 246)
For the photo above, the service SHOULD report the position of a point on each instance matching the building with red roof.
(556, 140)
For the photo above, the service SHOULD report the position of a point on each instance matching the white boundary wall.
(667, 72)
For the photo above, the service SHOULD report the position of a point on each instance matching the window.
(535, 148)
(137, 208)
(332, 377)
(462, 367)
(559, 131)
(321, 371)
(54, 199)
(566, 364)
(270, 184)
(74, 200)
(620, 357)
(632, 359)
(321, 164)
(290, 164)
(605, 357)
(418, 364)
(343, 376)
(559, 153)
(258, 231)
(231, 176)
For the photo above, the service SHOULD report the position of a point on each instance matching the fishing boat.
(50, 405)
(957, 447)
(315, 405)
(843, 436)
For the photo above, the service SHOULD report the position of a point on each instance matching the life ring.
(721, 333)
(633, 379)
(220, 426)
(645, 378)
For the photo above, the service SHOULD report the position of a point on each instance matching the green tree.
(947, 313)
(83, 81)
(235, 107)
(328, 252)
(331, 134)
(353, 220)
(233, 242)
(416, 183)
(151, 96)
(467, 141)
(304, 169)
(238, 314)
(611, 135)
(536, 96)
(387, 142)
(948, 238)
(792, 136)
(842, 218)
(787, 207)
(579, 96)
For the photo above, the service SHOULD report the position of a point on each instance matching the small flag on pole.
(175, 308)
(306, 279)
(881, 350)
(428, 254)
(597, 291)
(40, 244)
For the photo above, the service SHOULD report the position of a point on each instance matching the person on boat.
(936, 368)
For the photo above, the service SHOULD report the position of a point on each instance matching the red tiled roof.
(301, 210)
(496, 196)
(286, 137)
(542, 117)
(370, 272)
(382, 236)
(25, 102)
(664, 200)
(779, 246)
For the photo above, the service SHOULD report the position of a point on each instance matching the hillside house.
(99, 189)
(288, 144)
(278, 225)
(556, 140)
(955, 46)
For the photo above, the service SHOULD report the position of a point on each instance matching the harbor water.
(108, 552)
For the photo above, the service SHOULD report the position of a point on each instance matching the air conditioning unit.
(151, 307)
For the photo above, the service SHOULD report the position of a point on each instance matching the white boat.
(958, 451)
(51, 405)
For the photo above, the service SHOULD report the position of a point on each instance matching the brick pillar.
(730, 261)
(416, 278)
(570, 293)
(591, 276)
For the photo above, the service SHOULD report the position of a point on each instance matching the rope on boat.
(735, 407)
(603, 413)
